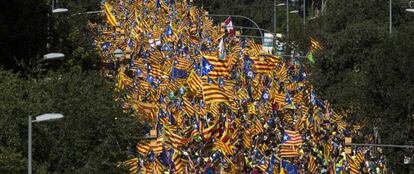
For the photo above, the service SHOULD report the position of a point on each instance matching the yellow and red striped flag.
(175, 140)
(312, 164)
(288, 151)
(259, 128)
(109, 16)
(360, 157)
(213, 94)
(315, 45)
(194, 82)
(207, 132)
(156, 146)
(183, 63)
(264, 64)
(223, 147)
(148, 109)
(263, 164)
(292, 138)
(188, 107)
(353, 166)
(214, 109)
(158, 168)
(178, 162)
(132, 164)
(278, 97)
(247, 141)
(251, 108)
(143, 148)
(156, 71)
(226, 132)
(282, 73)
(300, 123)
(220, 67)
(255, 48)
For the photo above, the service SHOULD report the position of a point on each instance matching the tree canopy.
(367, 71)
(91, 138)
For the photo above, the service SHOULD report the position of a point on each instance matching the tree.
(262, 12)
(28, 26)
(91, 138)
(23, 32)
(367, 72)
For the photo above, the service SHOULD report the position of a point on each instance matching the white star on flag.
(208, 67)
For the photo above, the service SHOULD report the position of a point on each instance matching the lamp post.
(52, 56)
(410, 10)
(54, 11)
(40, 118)
(390, 15)
(287, 18)
(275, 5)
(390, 27)
(287, 24)
(58, 10)
(304, 12)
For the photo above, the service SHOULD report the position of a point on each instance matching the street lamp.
(390, 11)
(275, 14)
(58, 10)
(287, 18)
(410, 10)
(52, 56)
(304, 13)
(40, 118)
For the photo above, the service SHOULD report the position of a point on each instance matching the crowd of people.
(213, 102)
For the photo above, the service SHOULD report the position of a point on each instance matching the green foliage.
(12, 161)
(91, 138)
(23, 31)
(72, 35)
(24, 34)
(259, 11)
(367, 72)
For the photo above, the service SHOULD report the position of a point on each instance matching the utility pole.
(287, 18)
(29, 147)
(274, 17)
(304, 13)
(323, 2)
(390, 16)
